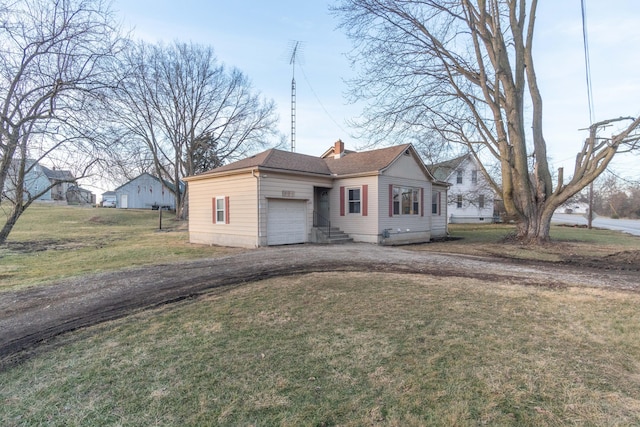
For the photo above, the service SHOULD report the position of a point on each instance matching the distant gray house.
(146, 192)
(80, 196)
(38, 178)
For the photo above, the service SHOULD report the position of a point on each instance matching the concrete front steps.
(330, 235)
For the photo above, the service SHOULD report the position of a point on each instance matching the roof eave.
(254, 168)
(356, 174)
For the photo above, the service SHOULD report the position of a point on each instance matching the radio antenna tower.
(295, 52)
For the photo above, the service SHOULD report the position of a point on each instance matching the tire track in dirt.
(33, 316)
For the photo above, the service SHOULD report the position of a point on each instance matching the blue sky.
(254, 36)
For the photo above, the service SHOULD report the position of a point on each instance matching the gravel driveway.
(31, 316)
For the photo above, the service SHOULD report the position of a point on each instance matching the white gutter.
(257, 177)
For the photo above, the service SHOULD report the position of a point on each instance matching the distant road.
(631, 226)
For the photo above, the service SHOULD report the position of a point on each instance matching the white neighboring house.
(580, 208)
(470, 197)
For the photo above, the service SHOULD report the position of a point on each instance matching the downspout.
(257, 177)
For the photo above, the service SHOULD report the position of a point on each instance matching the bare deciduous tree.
(616, 197)
(53, 59)
(465, 70)
(191, 112)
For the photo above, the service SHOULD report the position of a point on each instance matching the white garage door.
(286, 222)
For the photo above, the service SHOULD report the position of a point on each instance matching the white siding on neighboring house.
(472, 199)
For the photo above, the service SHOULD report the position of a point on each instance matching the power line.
(306, 79)
(587, 62)
(625, 180)
(587, 67)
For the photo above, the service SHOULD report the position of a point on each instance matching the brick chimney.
(338, 149)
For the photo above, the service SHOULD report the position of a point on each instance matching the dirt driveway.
(32, 316)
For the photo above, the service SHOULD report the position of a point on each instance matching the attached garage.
(286, 221)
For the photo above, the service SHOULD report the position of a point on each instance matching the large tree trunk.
(535, 228)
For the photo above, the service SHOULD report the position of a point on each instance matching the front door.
(322, 206)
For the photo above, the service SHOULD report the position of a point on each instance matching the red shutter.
(390, 200)
(439, 203)
(341, 201)
(226, 210)
(422, 202)
(365, 200)
(213, 206)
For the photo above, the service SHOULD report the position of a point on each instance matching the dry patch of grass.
(347, 349)
(52, 242)
(580, 245)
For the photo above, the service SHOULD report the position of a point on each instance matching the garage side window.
(221, 210)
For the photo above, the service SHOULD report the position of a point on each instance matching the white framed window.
(459, 201)
(481, 201)
(354, 198)
(220, 210)
(406, 201)
(474, 176)
(459, 174)
(435, 203)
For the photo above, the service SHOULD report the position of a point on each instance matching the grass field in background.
(346, 349)
(50, 242)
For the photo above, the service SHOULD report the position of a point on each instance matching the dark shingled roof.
(349, 163)
(57, 174)
(441, 171)
(366, 161)
(277, 159)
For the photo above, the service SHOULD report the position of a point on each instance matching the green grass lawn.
(51, 242)
(346, 349)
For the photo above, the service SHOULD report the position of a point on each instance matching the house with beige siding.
(385, 196)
